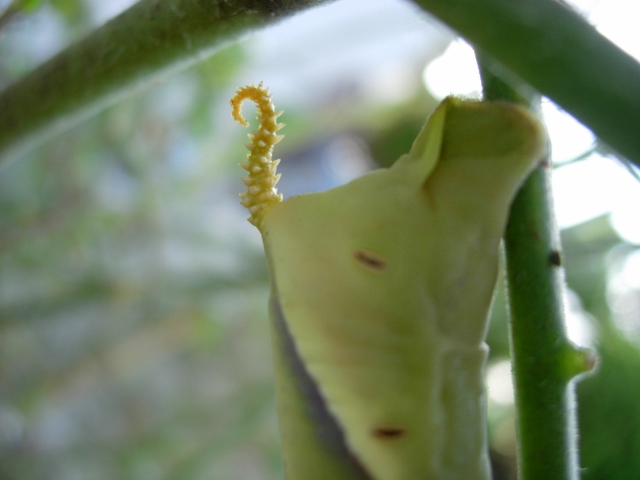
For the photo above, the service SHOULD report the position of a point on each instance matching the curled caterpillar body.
(380, 294)
(261, 193)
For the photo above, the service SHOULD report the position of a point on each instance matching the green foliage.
(609, 418)
(126, 312)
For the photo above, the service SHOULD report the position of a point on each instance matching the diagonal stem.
(151, 39)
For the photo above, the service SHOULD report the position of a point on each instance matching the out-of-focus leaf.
(608, 413)
(72, 10)
(31, 5)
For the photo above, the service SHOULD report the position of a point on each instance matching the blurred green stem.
(9, 13)
(544, 362)
(553, 49)
(151, 39)
(15, 8)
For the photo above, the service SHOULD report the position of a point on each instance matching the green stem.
(544, 361)
(557, 52)
(151, 39)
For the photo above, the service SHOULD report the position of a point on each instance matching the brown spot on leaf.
(389, 432)
(371, 260)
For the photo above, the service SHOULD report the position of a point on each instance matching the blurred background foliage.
(134, 341)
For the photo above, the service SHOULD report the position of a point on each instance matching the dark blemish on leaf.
(388, 433)
(555, 259)
(370, 260)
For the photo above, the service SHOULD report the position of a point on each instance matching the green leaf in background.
(31, 5)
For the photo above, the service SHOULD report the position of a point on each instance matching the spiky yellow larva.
(261, 193)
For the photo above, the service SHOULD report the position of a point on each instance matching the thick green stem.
(557, 52)
(151, 39)
(544, 362)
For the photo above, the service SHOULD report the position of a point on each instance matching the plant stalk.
(544, 362)
(151, 39)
